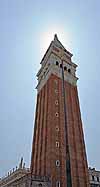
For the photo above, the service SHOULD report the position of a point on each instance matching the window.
(57, 183)
(94, 185)
(92, 177)
(40, 185)
(69, 71)
(57, 128)
(56, 102)
(57, 144)
(56, 91)
(65, 68)
(57, 63)
(56, 114)
(57, 163)
(60, 65)
(56, 81)
(98, 179)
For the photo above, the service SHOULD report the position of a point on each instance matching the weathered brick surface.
(44, 152)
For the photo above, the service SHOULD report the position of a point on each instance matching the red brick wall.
(44, 151)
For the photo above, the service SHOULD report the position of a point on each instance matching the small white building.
(94, 177)
(21, 177)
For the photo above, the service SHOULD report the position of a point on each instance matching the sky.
(26, 28)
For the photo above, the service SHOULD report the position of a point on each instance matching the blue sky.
(22, 24)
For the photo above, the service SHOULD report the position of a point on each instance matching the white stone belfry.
(51, 64)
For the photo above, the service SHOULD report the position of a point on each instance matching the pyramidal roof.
(57, 44)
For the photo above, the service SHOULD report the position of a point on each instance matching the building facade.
(21, 177)
(25, 181)
(58, 143)
(94, 177)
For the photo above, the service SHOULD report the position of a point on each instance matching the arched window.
(56, 81)
(57, 183)
(65, 68)
(57, 144)
(57, 128)
(98, 179)
(57, 163)
(56, 114)
(60, 65)
(69, 70)
(93, 177)
(57, 63)
(56, 91)
(56, 102)
(40, 185)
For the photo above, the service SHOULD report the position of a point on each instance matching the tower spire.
(55, 37)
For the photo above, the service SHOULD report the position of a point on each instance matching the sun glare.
(47, 36)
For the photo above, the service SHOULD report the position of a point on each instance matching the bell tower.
(58, 148)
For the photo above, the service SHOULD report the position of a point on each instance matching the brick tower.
(58, 148)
